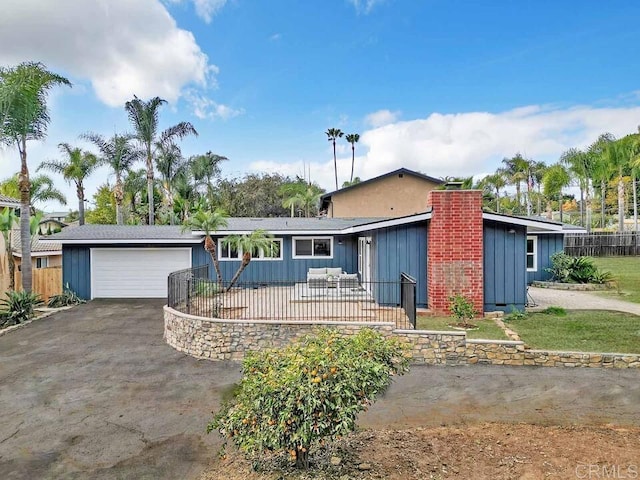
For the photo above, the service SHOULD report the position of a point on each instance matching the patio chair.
(317, 280)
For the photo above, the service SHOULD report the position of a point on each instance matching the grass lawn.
(581, 330)
(626, 271)
(486, 328)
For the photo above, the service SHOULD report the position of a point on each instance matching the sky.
(445, 87)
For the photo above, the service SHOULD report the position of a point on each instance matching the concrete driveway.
(94, 392)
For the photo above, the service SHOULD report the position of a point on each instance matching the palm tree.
(249, 245)
(42, 189)
(23, 117)
(133, 187)
(601, 169)
(332, 135)
(209, 222)
(555, 179)
(618, 155)
(579, 164)
(119, 154)
(495, 182)
(144, 117)
(305, 199)
(170, 164)
(8, 219)
(77, 166)
(205, 168)
(352, 138)
(516, 170)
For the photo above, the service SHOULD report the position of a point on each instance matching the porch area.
(191, 291)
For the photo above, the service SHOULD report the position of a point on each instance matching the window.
(532, 254)
(313, 247)
(228, 253)
(42, 262)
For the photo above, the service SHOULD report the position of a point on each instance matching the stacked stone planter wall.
(222, 339)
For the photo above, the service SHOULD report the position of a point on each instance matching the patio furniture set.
(327, 277)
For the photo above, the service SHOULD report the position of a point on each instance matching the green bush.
(462, 308)
(18, 307)
(294, 399)
(207, 287)
(515, 315)
(66, 298)
(557, 311)
(567, 269)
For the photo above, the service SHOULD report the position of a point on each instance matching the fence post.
(188, 295)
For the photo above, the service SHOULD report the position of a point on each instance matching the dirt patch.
(484, 451)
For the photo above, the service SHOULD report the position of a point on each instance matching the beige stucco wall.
(54, 260)
(392, 196)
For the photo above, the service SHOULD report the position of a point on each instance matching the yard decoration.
(294, 399)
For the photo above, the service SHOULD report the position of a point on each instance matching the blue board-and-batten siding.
(397, 250)
(76, 269)
(547, 245)
(288, 269)
(505, 279)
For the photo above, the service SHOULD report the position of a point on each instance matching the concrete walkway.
(547, 297)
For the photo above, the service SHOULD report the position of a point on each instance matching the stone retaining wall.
(578, 287)
(221, 339)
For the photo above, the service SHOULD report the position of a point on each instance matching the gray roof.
(37, 245)
(241, 224)
(6, 201)
(124, 232)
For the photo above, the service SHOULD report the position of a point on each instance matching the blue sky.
(444, 87)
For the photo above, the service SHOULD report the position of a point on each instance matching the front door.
(364, 260)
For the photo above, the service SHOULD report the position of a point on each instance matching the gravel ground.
(547, 297)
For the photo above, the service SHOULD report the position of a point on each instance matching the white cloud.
(205, 9)
(470, 143)
(204, 107)
(381, 118)
(275, 37)
(122, 47)
(365, 6)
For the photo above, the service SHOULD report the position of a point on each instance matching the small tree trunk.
(353, 160)
(10, 260)
(302, 459)
(621, 209)
(246, 258)
(118, 193)
(635, 205)
(587, 193)
(335, 162)
(497, 200)
(581, 204)
(150, 189)
(25, 209)
(210, 246)
(560, 205)
(603, 193)
(80, 193)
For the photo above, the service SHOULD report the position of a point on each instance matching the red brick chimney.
(455, 248)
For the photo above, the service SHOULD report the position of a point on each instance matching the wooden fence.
(46, 281)
(602, 244)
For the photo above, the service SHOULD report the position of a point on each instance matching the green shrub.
(18, 307)
(515, 315)
(567, 269)
(557, 311)
(462, 308)
(66, 298)
(207, 287)
(294, 399)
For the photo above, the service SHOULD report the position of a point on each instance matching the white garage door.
(135, 272)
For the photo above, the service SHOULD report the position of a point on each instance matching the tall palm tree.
(332, 135)
(618, 155)
(555, 179)
(144, 118)
(352, 138)
(8, 219)
(205, 169)
(209, 222)
(306, 199)
(119, 153)
(249, 245)
(580, 166)
(516, 170)
(24, 116)
(77, 165)
(601, 169)
(42, 189)
(133, 188)
(495, 182)
(170, 164)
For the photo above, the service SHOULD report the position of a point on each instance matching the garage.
(135, 272)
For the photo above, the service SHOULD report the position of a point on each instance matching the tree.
(516, 171)
(119, 154)
(171, 165)
(355, 181)
(41, 190)
(144, 117)
(24, 116)
(294, 398)
(601, 169)
(209, 222)
(249, 245)
(352, 138)
(618, 155)
(205, 169)
(332, 135)
(305, 198)
(8, 219)
(555, 179)
(579, 164)
(75, 168)
(104, 211)
(495, 182)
